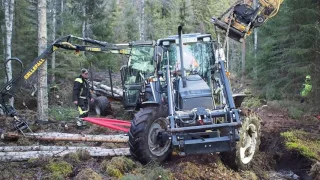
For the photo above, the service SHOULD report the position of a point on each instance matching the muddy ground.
(273, 161)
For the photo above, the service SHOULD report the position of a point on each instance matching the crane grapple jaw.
(233, 33)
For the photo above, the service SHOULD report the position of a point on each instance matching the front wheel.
(248, 145)
(102, 106)
(145, 130)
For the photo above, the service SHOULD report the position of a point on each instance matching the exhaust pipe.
(183, 75)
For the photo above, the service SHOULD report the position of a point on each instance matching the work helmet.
(308, 77)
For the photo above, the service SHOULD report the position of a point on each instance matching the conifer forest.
(160, 89)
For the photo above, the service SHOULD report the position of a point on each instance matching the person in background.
(81, 95)
(306, 89)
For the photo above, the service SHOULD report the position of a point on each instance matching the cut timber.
(107, 88)
(70, 137)
(47, 148)
(107, 92)
(21, 156)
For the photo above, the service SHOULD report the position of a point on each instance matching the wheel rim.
(248, 145)
(157, 126)
(98, 111)
(260, 20)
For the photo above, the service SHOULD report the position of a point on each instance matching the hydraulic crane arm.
(244, 16)
(63, 43)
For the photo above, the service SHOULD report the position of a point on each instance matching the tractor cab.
(198, 54)
(197, 60)
(140, 66)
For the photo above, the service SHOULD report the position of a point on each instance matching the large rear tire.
(102, 106)
(242, 156)
(144, 130)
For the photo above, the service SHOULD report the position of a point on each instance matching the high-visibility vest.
(306, 90)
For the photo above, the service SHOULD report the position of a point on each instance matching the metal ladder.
(21, 125)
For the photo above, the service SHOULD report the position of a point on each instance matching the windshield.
(140, 65)
(142, 58)
(197, 57)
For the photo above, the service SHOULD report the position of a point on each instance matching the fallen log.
(107, 92)
(47, 148)
(69, 137)
(107, 88)
(21, 156)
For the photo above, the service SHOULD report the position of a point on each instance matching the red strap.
(109, 123)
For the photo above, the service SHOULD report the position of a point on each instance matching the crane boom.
(64, 42)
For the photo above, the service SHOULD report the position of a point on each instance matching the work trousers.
(83, 107)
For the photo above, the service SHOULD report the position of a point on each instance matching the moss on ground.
(117, 166)
(88, 173)
(294, 112)
(157, 172)
(83, 155)
(302, 142)
(214, 170)
(72, 158)
(59, 169)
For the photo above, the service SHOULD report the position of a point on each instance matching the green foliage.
(302, 142)
(294, 112)
(252, 102)
(59, 113)
(113, 171)
(88, 173)
(117, 166)
(59, 169)
(133, 177)
(152, 171)
(287, 46)
(158, 173)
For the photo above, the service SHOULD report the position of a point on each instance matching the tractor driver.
(81, 95)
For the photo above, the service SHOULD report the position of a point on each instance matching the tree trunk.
(9, 10)
(141, 22)
(243, 58)
(61, 15)
(53, 60)
(3, 31)
(107, 88)
(70, 137)
(42, 71)
(21, 156)
(255, 45)
(47, 148)
(84, 20)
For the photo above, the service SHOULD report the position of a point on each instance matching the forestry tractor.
(134, 51)
(188, 106)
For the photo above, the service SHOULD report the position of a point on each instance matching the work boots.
(80, 122)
